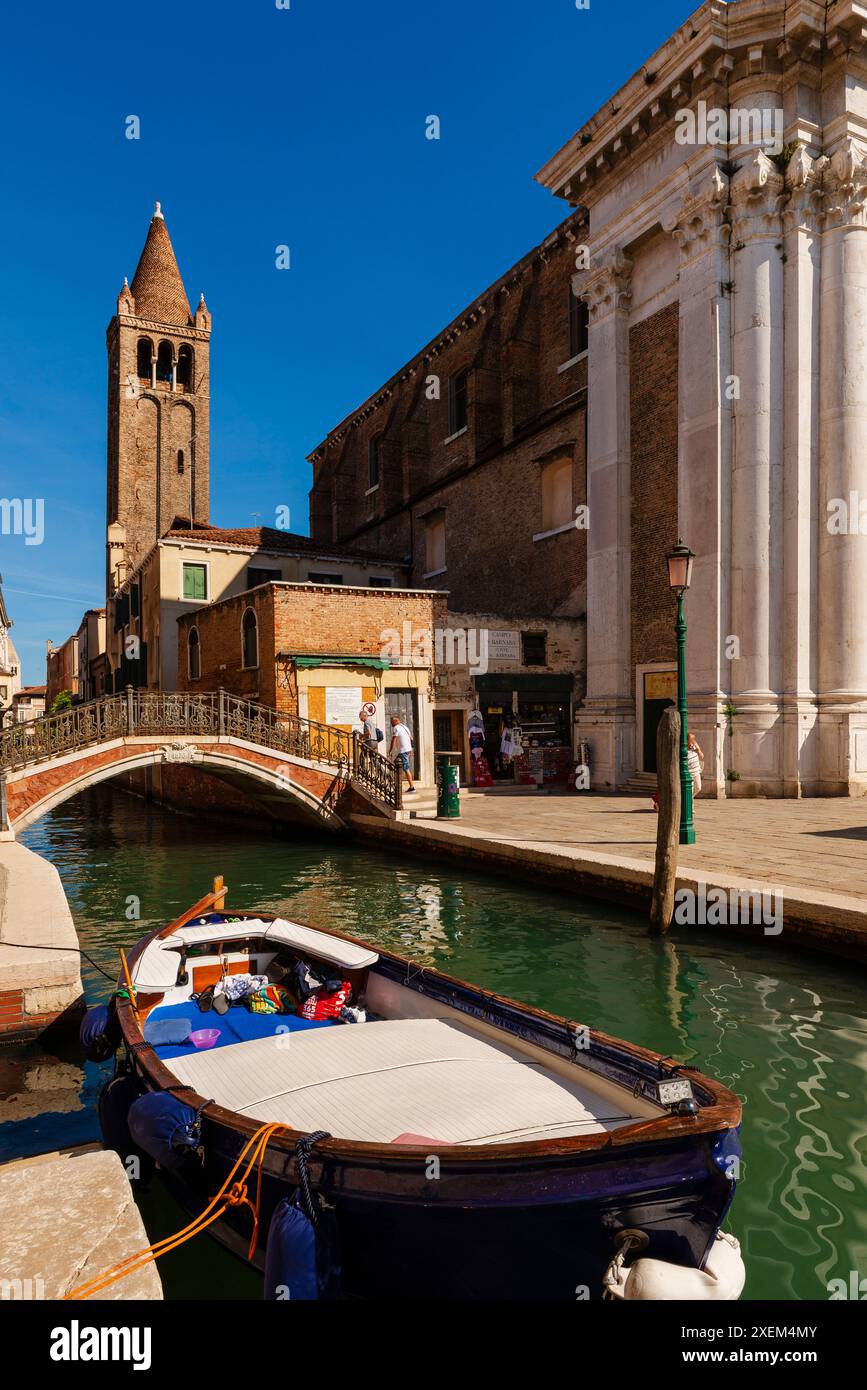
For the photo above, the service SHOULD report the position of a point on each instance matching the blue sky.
(260, 127)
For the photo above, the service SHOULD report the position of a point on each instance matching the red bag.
(322, 1005)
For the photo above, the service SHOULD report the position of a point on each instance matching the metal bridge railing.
(150, 712)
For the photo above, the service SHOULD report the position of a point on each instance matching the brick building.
(158, 408)
(317, 651)
(61, 670)
(719, 394)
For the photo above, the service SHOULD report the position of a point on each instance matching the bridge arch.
(31, 793)
(287, 767)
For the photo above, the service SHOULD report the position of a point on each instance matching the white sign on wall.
(342, 704)
(503, 645)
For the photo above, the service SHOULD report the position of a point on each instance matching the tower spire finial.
(158, 212)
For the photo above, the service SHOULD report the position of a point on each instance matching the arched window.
(249, 639)
(164, 362)
(143, 358)
(557, 508)
(194, 654)
(184, 374)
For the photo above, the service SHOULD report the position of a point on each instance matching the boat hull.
(539, 1231)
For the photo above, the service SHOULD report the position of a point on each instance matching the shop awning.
(305, 662)
(496, 682)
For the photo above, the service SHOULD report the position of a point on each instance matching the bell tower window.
(164, 362)
(144, 354)
(180, 460)
(184, 372)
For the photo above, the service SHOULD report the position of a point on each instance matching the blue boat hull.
(548, 1232)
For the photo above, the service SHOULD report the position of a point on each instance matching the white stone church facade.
(762, 245)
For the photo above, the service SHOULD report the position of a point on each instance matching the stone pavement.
(816, 843)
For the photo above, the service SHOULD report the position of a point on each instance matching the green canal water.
(787, 1032)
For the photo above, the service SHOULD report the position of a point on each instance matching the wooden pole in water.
(668, 828)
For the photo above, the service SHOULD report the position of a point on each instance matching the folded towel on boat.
(166, 1031)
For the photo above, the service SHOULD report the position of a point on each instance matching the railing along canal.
(218, 713)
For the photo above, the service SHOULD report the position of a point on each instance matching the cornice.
(721, 46)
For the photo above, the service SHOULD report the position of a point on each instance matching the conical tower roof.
(157, 286)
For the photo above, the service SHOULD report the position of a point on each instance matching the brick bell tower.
(158, 408)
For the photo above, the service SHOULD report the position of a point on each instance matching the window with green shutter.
(195, 581)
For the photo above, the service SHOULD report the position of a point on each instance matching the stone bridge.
(284, 766)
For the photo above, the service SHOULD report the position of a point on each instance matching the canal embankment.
(40, 975)
(793, 872)
(52, 1244)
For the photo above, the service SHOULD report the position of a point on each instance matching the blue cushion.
(238, 1025)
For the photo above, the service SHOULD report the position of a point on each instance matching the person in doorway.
(369, 732)
(400, 748)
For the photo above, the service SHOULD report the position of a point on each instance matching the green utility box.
(448, 788)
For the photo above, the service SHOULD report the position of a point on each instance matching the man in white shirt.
(400, 748)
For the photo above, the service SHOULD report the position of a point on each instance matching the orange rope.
(232, 1193)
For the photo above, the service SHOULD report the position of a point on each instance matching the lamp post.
(679, 575)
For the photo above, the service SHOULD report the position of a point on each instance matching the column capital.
(606, 287)
(697, 219)
(757, 198)
(804, 189)
(844, 186)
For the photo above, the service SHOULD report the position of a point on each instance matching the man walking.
(400, 748)
(370, 734)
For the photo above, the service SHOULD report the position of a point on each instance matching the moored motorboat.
(460, 1144)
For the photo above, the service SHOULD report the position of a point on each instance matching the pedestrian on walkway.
(370, 736)
(400, 748)
(695, 759)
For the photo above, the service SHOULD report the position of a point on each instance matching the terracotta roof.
(269, 538)
(157, 286)
(29, 690)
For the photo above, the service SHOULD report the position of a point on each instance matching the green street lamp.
(679, 576)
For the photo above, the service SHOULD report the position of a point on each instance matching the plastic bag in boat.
(99, 1033)
(165, 1128)
(301, 1261)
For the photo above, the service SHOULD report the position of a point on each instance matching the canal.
(788, 1033)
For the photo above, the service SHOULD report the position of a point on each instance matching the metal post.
(130, 709)
(687, 829)
(222, 711)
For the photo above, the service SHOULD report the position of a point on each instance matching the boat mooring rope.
(233, 1193)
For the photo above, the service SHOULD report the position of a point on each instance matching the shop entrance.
(403, 703)
(659, 691)
(540, 707)
(448, 729)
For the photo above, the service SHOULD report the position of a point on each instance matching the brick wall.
(653, 348)
(307, 618)
(512, 341)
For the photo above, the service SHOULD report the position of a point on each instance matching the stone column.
(800, 476)
(608, 712)
(697, 221)
(842, 499)
(757, 469)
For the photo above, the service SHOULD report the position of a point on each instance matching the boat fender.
(722, 1279)
(291, 1270)
(99, 1034)
(302, 1258)
(113, 1107)
(165, 1128)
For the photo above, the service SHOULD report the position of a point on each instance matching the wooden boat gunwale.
(722, 1113)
